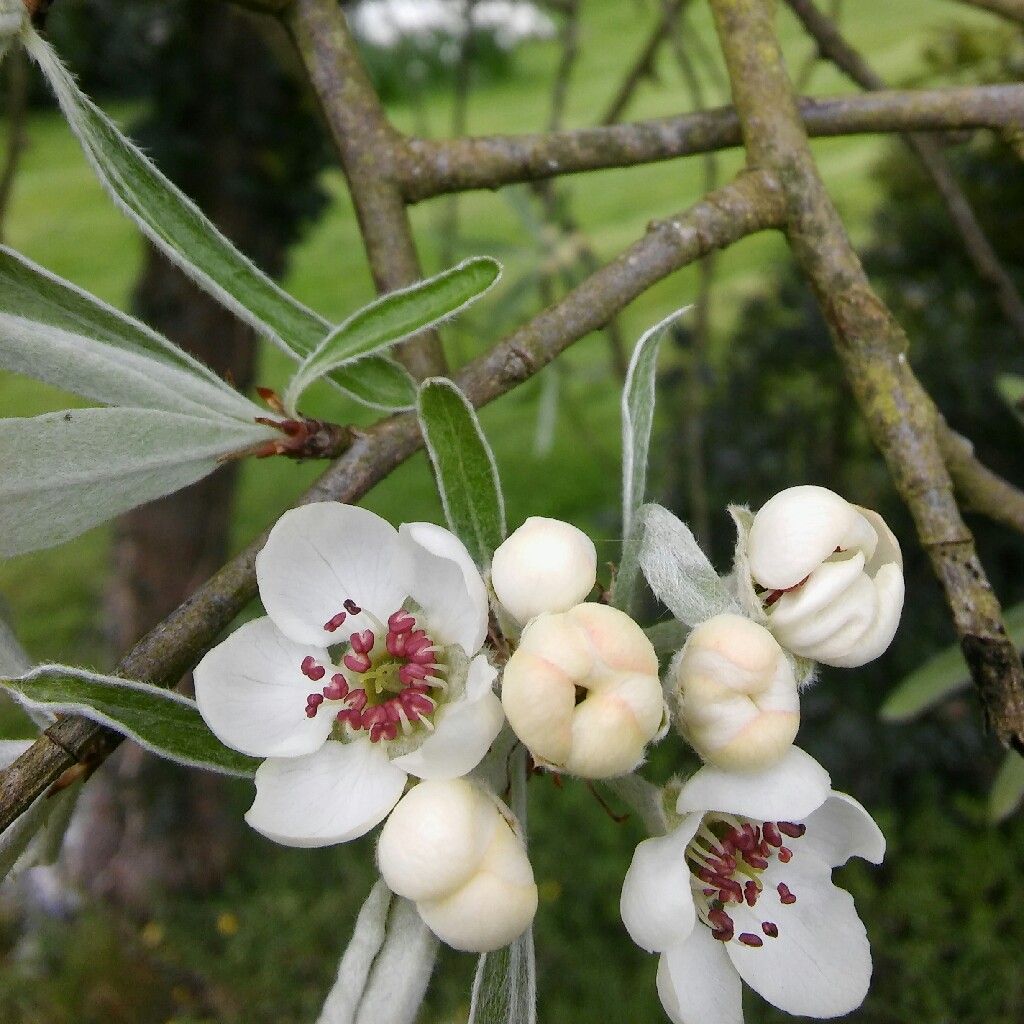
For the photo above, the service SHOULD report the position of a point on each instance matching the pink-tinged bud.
(448, 846)
(582, 691)
(831, 575)
(734, 694)
(545, 566)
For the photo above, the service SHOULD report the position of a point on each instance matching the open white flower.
(382, 625)
(830, 575)
(450, 846)
(735, 695)
(544, 566)
(582, 692)
(743, 889)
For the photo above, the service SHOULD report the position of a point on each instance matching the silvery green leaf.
(942, 675)
(1011, 388)
(638, 397)
(678, 571)
(1008, 787)
(55, 332)
(160, 720)
(392, 317)
(646, 800)
(384, 972)
(740, 580)
(667, 637)
(65, 472)
(176, 226)
(14, 660)
(464, 467)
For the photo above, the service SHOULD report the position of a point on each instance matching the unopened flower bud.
(831, 576)
(735, 694)
(545, 566)
(448, 847)
(582, 691)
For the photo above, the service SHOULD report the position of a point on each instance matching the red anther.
(401, 621)
(416, 704)
(726, 866)
(771, 833)
(351, 716)
(409, 675)
(705, 876)
(335, 622)
(709, 892)
(770, 929)
(749, 939)
(773, 597)
(338, 687)
(357, 700)
(730, 891)
(311, 670)
(721, 934)
(756, 862)
(395, 643)
(794, 831)
(720, 919)
(313, 702)
(418, 639)
(352, 608)
(744, 840)
(785, 896)
(750, 892)
(357, 662)
(785, 854)
(764, 849)
(362, 643)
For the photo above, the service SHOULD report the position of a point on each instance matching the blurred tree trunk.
(147, 827)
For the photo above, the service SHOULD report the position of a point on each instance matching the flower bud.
(545, 566)
(597, 653)
(831, 575)
(448, 847)
(735, 694)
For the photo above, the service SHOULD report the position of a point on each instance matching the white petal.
(336, 794)
(787, 791)
(447, 586)
(889, 588)
(697, 983)
(463, 731)
(320, 555)
(252, 693)
(841, 829)
(656, 903)
(820, 963)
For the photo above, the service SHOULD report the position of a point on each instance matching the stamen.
(785, 896)
(401, 621)
(771, 833)
(788, 828)
(751, 891)
(362, 643)
(335, 622)
(311, 670)
(770, 929)
(352, 608)
(313, 702)
(749, 939)
(337, 689)
(357, 662)
(785, 854)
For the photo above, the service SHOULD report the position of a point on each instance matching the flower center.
(385, 677)
(727, 859)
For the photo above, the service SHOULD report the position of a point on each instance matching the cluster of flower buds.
(581, 690)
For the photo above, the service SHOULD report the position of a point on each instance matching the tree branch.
(750, 204)
(427, 167)
(929, 152)
(872, 347)
(365, 141)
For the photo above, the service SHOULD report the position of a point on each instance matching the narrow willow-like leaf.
(1007, 791)
(162, 721)
(638, 396)
(941, 676)
(385, 970)
(65, 472)
(1011, 388)
(464, 466)
(678, 571)
(393, 317)
(176, 226)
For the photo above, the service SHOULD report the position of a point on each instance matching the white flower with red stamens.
(385, 624)
(830, 576)
(743, 889)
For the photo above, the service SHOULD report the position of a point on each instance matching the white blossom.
(735, 694)
(544, 566)
(742, 889)
(829, 575)
(450, 846)
(362, 673)
(582, 691)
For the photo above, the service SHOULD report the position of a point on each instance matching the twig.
(872, 347)
(752, 203)
(430, 167)
(929, 152)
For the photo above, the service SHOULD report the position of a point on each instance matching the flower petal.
(337, 793)
(656, 902)
(787, 791)
(697, 983)
(252, 694)
(819, 965)
(447, 586)
(463, 731)
(841, 829)
(320, 555)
